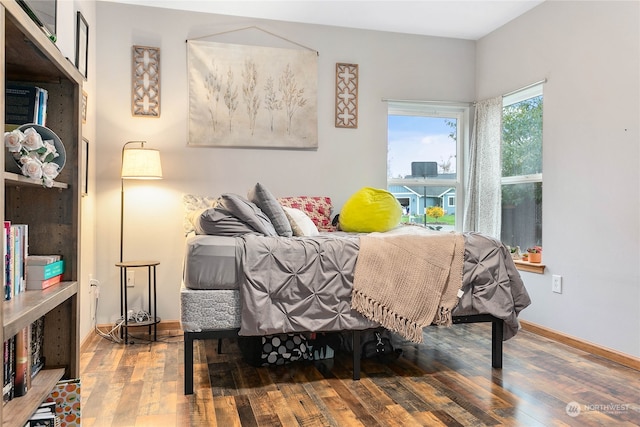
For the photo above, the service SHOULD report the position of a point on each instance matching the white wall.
(66, 40)
(391, 66)
(589, 52)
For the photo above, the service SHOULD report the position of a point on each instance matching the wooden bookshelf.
(19, 409)
(52, 214)
(11, 178)
(27, 307)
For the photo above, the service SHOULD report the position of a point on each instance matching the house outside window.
(451, 202)
(522, 168)
(425, 143)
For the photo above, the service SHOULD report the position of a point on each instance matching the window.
(424, 161)
(522, 168)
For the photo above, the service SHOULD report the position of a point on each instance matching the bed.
(304, 283)
(242, 277)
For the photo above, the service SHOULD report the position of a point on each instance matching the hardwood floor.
(448, 380)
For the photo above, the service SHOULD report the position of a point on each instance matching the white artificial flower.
(13, 140)
(33, 155)
(32, 140)
(50, 171)
(25, 157)
(50, 153)
(31, 167)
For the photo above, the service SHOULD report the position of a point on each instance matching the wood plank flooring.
(447, 381)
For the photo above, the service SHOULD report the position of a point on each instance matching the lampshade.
(141, 163)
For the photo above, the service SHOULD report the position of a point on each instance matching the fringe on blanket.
(443, 317)
(375, 311)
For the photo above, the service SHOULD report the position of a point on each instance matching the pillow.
(247, 212)
(301, 224)
(316, 208)
(270, 206)
(193, 205)
(217, 222)
(370, 209)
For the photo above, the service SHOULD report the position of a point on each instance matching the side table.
(153, 319)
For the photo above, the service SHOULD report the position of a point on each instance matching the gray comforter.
(297, 284)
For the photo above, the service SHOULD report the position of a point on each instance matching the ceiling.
(468, 19)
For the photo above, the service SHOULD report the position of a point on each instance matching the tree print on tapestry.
(252, 96)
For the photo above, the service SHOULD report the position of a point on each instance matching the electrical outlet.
(556, 283)
(93, 283)
(131, 278)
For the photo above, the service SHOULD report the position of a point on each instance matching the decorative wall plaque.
(346, 95)
(146, 81)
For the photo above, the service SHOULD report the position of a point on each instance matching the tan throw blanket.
(408, 278)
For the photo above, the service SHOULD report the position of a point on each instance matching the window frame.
(459, 111)
(507, 100)
(514, 98)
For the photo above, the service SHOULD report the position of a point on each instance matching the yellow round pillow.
(369, 210)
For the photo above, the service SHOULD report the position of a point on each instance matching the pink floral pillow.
(316, 207)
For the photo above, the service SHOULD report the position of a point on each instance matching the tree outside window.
(522, 169)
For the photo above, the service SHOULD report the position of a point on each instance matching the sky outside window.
(419, 139)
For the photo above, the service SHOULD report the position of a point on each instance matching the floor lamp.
(138, 162)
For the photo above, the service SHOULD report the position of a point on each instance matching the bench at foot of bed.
(189, 337)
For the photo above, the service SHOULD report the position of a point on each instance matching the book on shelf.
(20, 104)
(17, 250)
(44, 272)
(39, 285)
(25, 104)
(42, 419)
(42, 259)
(44, 416)
(8, 286)
(22, 380)
(47, 406)
(36, 359)
(9, 369)
(20, 252)
(42, 107)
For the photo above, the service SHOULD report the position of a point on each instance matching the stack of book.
(44, 416)
(43, 271)
(23, 359)
(22, 270)
(25, 104)
(15, 248)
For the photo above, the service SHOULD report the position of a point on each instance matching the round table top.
(137, 263)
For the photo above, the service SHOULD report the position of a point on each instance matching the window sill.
(532, 267)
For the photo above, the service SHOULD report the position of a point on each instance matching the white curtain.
(483, 191)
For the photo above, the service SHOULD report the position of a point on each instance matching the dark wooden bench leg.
(188, 363)
(219, 345)
(497, 333)
(356, 355)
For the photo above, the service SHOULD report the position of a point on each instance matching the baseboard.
(610, 354)
(164, 325)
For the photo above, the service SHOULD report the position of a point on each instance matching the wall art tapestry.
(252, 96)
(346, 95)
